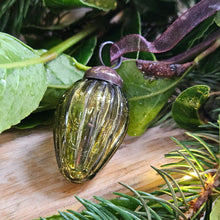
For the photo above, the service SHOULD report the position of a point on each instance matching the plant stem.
(53, 52)
(70, 41)
(206, 52)
(214, 93)
(80, 65)
(58, 86)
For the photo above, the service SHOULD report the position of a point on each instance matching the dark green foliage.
(14, 13)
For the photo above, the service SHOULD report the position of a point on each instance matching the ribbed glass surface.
(90, 125)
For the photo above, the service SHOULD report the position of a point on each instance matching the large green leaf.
(146, 97)
(21, 89)
(61, 74)
(68, 4)
(187, 106)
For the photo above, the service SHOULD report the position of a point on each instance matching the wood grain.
(31, 185)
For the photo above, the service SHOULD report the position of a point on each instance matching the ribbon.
(171, 37)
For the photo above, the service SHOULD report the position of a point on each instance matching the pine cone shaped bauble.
(91, 123)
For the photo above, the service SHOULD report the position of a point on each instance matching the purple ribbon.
(174, 34)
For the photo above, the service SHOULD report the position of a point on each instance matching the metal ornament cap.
(104, 73)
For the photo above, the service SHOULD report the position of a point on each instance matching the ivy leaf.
(69, 4)
(215, 213)
(21, 89)
(187, 106)
(146, 97)
(61, 74)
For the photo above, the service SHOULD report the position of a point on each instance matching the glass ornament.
(90, 124)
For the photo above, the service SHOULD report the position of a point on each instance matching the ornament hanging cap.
(104, 73)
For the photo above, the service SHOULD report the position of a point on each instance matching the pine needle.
(193, 167)
(139, 197)
(205, 145)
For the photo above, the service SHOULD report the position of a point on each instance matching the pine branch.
(12, 15)
(16, 13)
(187, 197)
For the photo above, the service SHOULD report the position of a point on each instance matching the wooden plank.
(31, 185)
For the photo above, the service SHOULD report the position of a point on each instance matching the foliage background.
(54, 22)
(46, 25)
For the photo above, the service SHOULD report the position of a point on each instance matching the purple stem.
(161, 69)
(176, 32)
(169, 69)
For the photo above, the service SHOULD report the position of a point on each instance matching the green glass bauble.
(91, 123)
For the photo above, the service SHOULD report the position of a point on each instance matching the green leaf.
(131, 25)
(21, 89)
(36, 119)
(215, 213)
(69, 4)
(61, 74)
(217, 18)
(195, 35)
(84, 51)
(185, 109)
(146, 97)
(208, 70)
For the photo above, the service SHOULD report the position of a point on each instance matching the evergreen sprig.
(191, 186)
(15, 14)
(12, 15)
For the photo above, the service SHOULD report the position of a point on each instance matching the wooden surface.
(31, 186)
